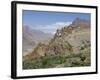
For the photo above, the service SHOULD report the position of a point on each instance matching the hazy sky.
(48, 22)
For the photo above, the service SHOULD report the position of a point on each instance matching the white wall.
(5, 37)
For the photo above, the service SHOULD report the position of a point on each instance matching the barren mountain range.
(32, 37)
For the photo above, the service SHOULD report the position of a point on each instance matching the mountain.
(32, 37)
(70, 38)
(81, 23)
(71, 43)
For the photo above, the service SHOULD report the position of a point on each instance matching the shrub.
(51, 61)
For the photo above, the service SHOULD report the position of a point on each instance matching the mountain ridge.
(66, 40)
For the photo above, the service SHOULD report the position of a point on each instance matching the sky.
(47, 21)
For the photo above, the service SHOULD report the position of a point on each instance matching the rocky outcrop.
(40, 50)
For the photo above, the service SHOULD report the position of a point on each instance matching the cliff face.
(69, 40)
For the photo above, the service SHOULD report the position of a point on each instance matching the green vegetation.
(59, 60)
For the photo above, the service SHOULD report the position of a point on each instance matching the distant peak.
(80, 21)
(77, 19)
